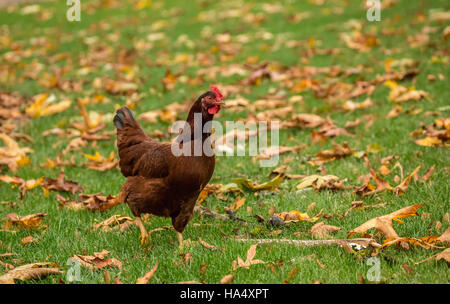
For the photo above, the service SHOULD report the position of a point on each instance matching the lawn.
(150, 55)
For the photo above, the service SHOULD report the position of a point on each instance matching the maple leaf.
(61, 184)
(249, 261)
(384, 223)
(321, 230)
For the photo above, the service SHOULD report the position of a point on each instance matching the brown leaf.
(227, 279)
(338, 151)
(445, 237)
(384, 223)
(147, 277)
(12, 154)
(28, 240)
(320, 230)
(92, 202)
(237, 204)
(115, 222)
(100, 163)
(61, 184)
(32, 221)
(249, 260)
(97, 261)
(444, 255)
(34, 271)
(206, 244)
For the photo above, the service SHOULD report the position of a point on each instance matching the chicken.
(159, 181)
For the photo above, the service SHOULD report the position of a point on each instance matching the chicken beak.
(220, 102)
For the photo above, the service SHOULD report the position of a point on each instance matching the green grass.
(69, 232)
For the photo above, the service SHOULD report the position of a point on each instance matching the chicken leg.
(144, 234)
(180, 239)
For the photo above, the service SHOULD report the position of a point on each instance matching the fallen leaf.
(227, 279)
(61, 184)
(384, 223)
(12, 154)
(30, 222)
(28, 240)
(34, 271)
(97, 261)
(147, 277)
(320, 230)
(207, 245)
(249, 260)
(247, 185)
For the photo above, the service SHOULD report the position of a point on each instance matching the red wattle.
(213, 110)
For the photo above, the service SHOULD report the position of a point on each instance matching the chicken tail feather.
(120, 119)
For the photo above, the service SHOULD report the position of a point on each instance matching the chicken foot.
(144, 234)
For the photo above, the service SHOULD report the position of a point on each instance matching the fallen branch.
(208, 212)
(308, 243)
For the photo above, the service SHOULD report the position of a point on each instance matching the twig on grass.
(308, 243)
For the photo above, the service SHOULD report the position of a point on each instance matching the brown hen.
(159, 180)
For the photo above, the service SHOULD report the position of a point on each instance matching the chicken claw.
(144, 234)
(144, 239)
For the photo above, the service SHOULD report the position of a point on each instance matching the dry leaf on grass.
(115, 222)
(237, 204)
(28, 240)
(147, 277)
(44, 105)
(206, 244)
(92, 202)
(24, 184)
(248, 185)
(34, 271)
(30, 222)
(249, 260)
(443, 255)
(294, 216)
(319, 182)
(338, 151)
(227, 279)
(100, 163)
(61, 184)
(97, 261)
(320, 230)
(445, 237)
(12, 154)
(384, 223)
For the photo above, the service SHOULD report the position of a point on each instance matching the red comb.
(216, 91)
